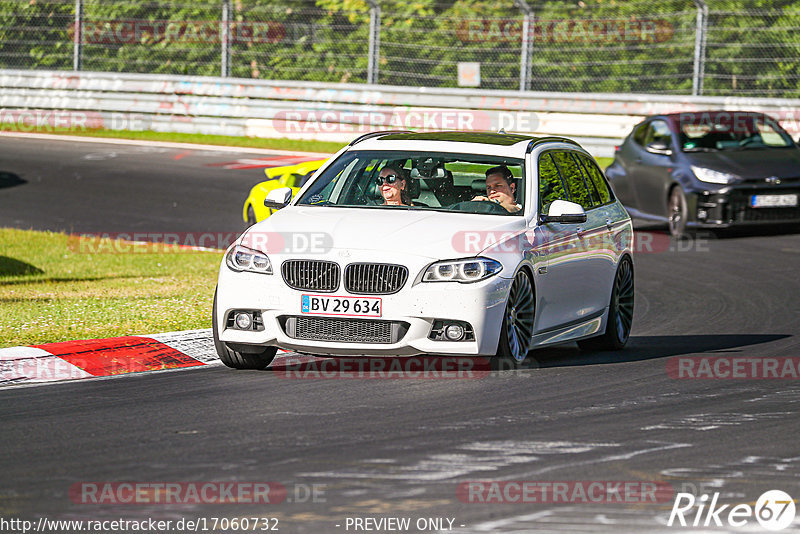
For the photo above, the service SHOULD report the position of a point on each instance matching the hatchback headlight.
(464, 271)
(713, 177)
(241, 258)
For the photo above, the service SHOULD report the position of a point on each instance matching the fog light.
(454, 332)
(243, 321)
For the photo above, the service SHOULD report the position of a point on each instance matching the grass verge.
(326, 147)
(52, 290)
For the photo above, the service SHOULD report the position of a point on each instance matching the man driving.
(500, 188)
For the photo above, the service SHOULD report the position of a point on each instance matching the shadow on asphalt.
(9, 179)
(639, 348)
(651, 347)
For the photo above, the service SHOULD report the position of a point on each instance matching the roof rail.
(550, 139)
(375, 134)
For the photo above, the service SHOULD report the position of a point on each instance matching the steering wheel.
(479, 206)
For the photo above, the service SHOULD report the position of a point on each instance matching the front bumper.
(415, 307)
(731, 207)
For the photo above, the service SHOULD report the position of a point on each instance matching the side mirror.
(659, 147)
(278, 198)
(562, 211)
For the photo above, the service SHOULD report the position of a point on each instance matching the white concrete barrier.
(340, 112)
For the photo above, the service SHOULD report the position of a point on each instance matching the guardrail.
(336, 112)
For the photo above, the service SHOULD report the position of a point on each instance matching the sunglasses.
(389, 179)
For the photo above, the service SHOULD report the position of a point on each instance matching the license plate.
(773, 201)
(332, 305)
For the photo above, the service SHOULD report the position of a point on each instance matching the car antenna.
(501, 131)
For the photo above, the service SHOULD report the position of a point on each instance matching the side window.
(597, 178)
(571, 173)
(658, 131)
(587, 180)
(641, 133)
(550, 185)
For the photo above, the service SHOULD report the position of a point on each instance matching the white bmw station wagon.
(445, 243)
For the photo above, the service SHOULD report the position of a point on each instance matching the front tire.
(517, 330)
(620, 312)
(677, 212)
(259, 359)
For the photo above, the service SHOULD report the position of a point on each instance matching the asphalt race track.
(95, 187)
(400, 448)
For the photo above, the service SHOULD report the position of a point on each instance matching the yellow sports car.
(293, 176)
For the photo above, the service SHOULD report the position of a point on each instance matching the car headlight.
(713, 177)
(241, 258)
(464, 271)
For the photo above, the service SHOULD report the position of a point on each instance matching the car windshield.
(732, 132)
(420, 181)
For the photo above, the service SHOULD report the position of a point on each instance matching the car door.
(591, 265)
(560, 272)
(654, 174)
(609, 221)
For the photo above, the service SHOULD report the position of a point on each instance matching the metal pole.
(700, 47)
(527, 45)
(374, 41)
(225, 33)
(77, 40)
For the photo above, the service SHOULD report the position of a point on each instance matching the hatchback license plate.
(350, 306)
(773, 201)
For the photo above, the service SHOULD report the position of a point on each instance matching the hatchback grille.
(344, 330)
(311, 275)
(743, 212)
(374, 278)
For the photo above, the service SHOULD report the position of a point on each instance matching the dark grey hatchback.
(708, 169)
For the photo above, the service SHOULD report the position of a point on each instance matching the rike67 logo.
(774, 510)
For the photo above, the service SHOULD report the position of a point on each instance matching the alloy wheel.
(519, 317)
(623, 300)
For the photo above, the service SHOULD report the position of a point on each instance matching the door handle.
(638, 160)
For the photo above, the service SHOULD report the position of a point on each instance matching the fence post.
(700, 47)
(527, 45)
(374, 41)
(77, 39)
(225, 34)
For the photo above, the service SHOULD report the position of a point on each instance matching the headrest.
(413, 186)
(479, 186)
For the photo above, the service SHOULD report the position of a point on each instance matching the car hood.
(432, 234)
(751, 163)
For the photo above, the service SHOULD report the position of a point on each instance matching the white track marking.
(199, 344)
